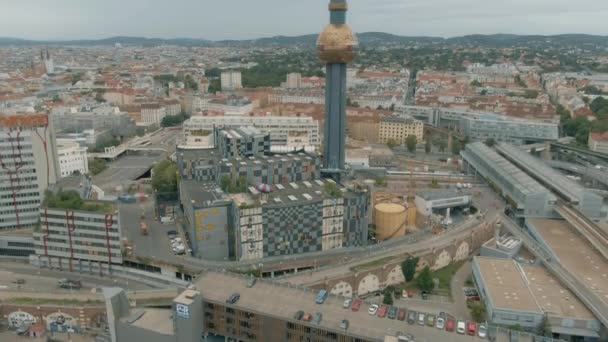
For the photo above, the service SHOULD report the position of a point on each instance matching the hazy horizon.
(244, 19)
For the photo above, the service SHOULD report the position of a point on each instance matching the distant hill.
(366, 39)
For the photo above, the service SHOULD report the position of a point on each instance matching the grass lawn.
(445, 274)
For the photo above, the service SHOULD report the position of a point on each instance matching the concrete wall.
(362, 281)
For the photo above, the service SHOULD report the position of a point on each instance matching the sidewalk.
(456, 285)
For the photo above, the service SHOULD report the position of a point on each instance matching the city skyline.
(67, 19)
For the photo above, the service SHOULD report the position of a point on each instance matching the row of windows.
(19, 187)
(82, 251)
(16, 252)
(81, 218)
(84, 243)
(77, 230)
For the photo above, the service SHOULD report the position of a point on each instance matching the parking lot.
(156, 245)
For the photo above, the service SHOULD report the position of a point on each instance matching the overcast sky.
(240, 19)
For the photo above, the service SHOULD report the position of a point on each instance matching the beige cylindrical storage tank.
(389, 219)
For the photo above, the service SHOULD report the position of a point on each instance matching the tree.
(435, 184)
(215, 86)
(424, 281)
(490, 142)
(531, 94)
(478, 311)
(225, 182)
(164, 177)
(173, 120)
(476, 83)
(332, 190)
(96, 166)
(408, 267)
(411, 142)
(380, 181)
(545, 328)
(99, 97)
(388, 297)
(599, 103)
(441, 145)
(484, 92)
(392, 143)
(427, 146)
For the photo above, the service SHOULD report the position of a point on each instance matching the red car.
(410, 293)
(471, 328)
(450, 325)
(307, 317)
(382, 311)
(401, 314)
(356, 305)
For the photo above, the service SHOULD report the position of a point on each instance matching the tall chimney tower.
(336, 46)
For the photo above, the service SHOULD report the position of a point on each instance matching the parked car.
(411, 317)
(316, 319)
(392, 312)
(421, 318)
(233, 298)
(401, 315)
(344, 324)
(356, 305)
(307, 317)
(172, 234)
(405, 337)
(373, 309)
(471, 328)
(299, 315)
(382, 311)
(450, 325)
(430, 320)
(461, 327)
(19, 281)
(347, 303)
(440, 323)
(425, 295)
(410, 293)
(321, 297)
(482, 331)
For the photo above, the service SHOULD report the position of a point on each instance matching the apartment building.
(231, 80)
(598, 142)
(152, 113)
(398, 128)
(71, 157)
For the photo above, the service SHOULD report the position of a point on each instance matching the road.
(45, 280)
(456, 286)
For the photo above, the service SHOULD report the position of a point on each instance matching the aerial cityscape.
(335, 186)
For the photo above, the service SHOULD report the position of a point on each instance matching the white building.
(435, 200)
(231, 80)
(286, 133)
(152, 114)
(294, 81)
(29, 166)
(72, 157)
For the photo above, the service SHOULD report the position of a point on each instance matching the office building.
(208, 221)
(73, 232)
(242, 142)
(297, 218)
(598, 142)
(231, 80)
(336, 46)
(29, 167)
(526, 295)
(399, 128)
(152, 113)
(525, 195)
(286, 133)
(16, 243)
(72, 157)
(482, 126)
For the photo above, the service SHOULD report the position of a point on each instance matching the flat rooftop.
(204, 193)
(283, 302)
(506, 286)
(552, 296)
(440, 194)
(157, 320)
(575, 253)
